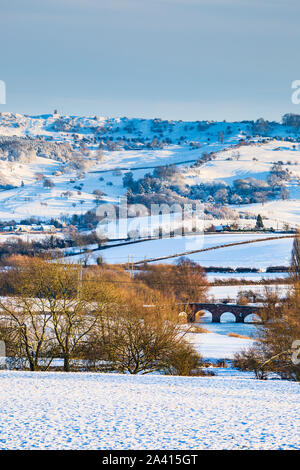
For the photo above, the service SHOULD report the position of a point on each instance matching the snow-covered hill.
(51, 165)
(63, 127)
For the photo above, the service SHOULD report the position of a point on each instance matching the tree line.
(63, 317)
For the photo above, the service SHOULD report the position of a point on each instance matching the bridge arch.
(206, 316)
(227, 317)
(203, 315)
(214, 312)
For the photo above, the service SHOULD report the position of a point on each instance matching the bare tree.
(54, 309)
(76, 304)
(138, 339)
(25, 318)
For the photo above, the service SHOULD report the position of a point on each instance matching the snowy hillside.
(51, 165)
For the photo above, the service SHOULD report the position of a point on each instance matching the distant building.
(48, 228)
(22, 228)
(33, 228)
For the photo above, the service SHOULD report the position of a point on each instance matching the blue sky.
(175, 59)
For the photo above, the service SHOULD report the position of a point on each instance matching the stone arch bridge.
(239, 311)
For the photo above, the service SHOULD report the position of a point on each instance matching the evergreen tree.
(259, 222)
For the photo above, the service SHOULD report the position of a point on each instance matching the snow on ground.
(34, 200)
(215, 345)
(96, 411)
(254, 160)
(64, 199)
(246, 276)
(278, 211)
(231, 292)
(258, 255)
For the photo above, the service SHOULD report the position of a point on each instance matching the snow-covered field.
(247, 276)
(95, 411)
(258, 255)
(223, 292)
(231, 410)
